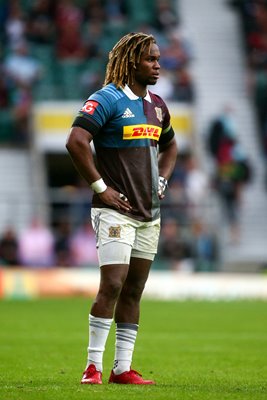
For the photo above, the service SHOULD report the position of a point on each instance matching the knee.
(111, 289)
(133, 293)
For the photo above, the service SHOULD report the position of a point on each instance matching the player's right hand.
(115, 199)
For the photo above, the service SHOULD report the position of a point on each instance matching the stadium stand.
(221, 72)
(201, 76)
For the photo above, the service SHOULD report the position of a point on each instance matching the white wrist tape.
(98, 186)
(162, 185)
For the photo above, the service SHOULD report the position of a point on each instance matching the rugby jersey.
(127, 130)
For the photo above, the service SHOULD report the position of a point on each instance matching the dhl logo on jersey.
(142, 131)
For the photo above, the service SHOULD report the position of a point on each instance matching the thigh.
(138, 271)
(114, 236)
(147, 238)
(113, 277)
(114, 253)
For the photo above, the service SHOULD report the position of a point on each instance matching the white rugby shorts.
(118, 237)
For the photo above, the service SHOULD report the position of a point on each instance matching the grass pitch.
(193, 350)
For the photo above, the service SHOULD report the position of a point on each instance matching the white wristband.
(162, 185)
(98, 186)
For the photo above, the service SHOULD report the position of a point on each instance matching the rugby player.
(135, 153)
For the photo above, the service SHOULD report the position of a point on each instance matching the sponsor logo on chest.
(142, 131)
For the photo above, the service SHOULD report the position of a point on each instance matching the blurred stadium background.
(214, 66)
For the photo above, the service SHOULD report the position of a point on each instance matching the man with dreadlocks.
(135, 156)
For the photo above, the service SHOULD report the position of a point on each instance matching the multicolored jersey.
(127, 130)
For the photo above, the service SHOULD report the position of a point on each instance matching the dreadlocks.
(124, 56)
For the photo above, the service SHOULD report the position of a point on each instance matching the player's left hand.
(162, 186)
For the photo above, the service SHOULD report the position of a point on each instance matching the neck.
(138, 90)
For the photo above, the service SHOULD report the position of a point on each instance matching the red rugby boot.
(131, 377)
(91, 376)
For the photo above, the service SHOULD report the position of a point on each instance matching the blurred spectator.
(253, 15)
(15, 111)
(183, 87)
(15, 25)
(18, 82)
(229, 189)
(69, 19)
(232, 168)
(89, 82)
(176, 53)
(204, 247)
(115, 12)
(22, 107)
(83, 247)
(79, 34)
(175, 246)
(62, 248)
(40, 22)
(36, 245)
(175, 204)
(95, 11)
(4, 11)
(9, 247)
(20, 67)
(258, 91)
(93, 35)
(196, 188)
(4, 91)
(81, 202)
(222, 135)
(166, 18)
(257, 35)
(7, 126)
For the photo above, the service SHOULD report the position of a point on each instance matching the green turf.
(194, 350)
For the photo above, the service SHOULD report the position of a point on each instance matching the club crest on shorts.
(159, 113)
(114, 231)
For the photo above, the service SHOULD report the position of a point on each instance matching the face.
(147, 71)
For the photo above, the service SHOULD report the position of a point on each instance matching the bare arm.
(79, 148)
(167, 158)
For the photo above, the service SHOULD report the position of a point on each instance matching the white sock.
(98, 334)
(125, 340)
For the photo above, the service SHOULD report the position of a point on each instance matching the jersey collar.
(129, 93)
